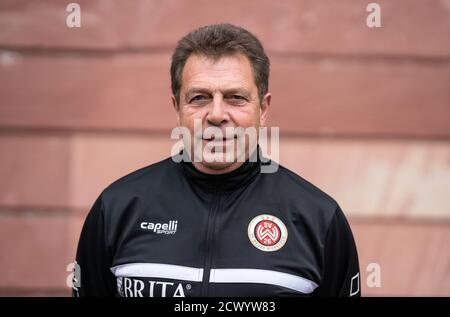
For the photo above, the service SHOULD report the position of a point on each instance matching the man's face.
(220, 94)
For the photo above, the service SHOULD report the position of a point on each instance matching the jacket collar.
(233, 180)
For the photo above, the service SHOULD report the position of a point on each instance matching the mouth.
(223, 139)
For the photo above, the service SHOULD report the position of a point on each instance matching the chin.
(217, 166)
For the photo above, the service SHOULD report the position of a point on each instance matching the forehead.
(233, 71)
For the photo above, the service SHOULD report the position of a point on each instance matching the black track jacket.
(169, 230)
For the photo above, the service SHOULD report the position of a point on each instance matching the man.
(216, 227)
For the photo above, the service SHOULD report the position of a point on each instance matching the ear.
(177, 108)
(265, 105)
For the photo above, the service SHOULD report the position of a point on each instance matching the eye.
(237, 99)
(198, 98)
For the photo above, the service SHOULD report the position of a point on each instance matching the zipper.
(210, 241)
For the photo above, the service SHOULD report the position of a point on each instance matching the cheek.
(187, 117)
(246, 118)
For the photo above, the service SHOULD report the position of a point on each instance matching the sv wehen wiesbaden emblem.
(267, 233)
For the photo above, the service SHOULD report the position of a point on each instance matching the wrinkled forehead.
(223, 73)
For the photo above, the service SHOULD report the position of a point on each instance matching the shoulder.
(307, 199)
(141, 182)
(292, 184)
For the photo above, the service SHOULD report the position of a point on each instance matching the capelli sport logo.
(161, 228)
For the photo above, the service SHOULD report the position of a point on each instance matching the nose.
(217, 114)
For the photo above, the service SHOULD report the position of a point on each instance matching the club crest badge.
(267, 233)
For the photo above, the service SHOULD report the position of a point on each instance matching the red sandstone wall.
(364, 114)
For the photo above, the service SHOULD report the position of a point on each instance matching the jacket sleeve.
(341, 277)
(92, 276)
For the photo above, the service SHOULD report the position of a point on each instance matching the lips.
(219, 139)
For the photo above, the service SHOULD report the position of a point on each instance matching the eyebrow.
(195, 90)
(229, 91)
